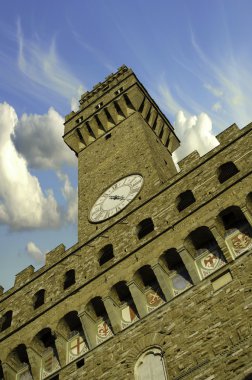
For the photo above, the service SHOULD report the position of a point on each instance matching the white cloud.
(34, 252)
(195, 133)
(71, 196)
(38, 138)
(22, 201)
(44, 68)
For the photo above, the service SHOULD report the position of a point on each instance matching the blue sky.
(194, 57)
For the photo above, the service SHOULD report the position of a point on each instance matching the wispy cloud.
(101, 58)
(231, 82)
(44, 67)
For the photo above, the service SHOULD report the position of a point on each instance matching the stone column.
(190, 265)
(222, 244)
(61, 346)
(247, 214)
(88, 326)
(8, 372)
(163, 280)
(113, 314)
(138, 298)
(35, 362)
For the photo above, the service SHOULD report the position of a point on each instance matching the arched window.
(150, 365)
(69, 278)
(106, 254)
(144, 228)
(39, 298)
(226, 171)
(5, 321)
(44, 344)
(148, 282)
(238, 232)
(19, 361)
(203, 246)
(178, 275)
(121, 295)
(184, 200)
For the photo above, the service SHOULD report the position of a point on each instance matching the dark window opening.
(145, 227)
(117, 92)
(46, 337)
(227, 171)
(123, 292)
(98, 307)
(69, 278)
(202, 239)
(106, 254)
(6, 320)
(73, 321)
(173, 260)
(232, 217)
(147, 275)
(22, 354)
(98, 106)
(39, 298)
(185, 199)
(79, 120)
(80, 363)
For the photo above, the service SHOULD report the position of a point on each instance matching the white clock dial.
(116, 197)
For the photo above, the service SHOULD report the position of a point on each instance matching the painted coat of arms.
(128, 316)
(77, 346)
(180, 282)
(241, 243)
(210, 262)
(103, 332)
(50, 364)
(154, 299)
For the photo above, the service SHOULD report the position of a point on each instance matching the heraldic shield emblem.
(103, 332)
(240, 242)
(76, 347)
(50, 364)
(210, 262)
(180, 282)
(128, 316)
(154, 299)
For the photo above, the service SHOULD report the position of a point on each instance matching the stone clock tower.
(158, 285)
(118, 131)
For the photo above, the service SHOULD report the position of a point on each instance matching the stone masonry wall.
(204, 333)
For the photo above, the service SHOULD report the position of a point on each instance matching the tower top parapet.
(111, 102)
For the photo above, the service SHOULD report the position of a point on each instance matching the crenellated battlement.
(120, 96)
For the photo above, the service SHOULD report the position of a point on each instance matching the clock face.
(116, 197)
